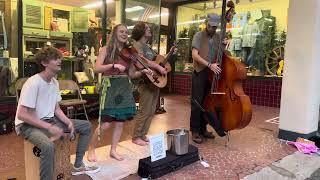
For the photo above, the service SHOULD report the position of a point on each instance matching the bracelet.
(113, 66)
(209, 64)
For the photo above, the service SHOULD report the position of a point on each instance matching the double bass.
(226, 101)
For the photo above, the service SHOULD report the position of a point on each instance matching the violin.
(130, 54)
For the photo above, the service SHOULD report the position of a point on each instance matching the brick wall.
(264, 91)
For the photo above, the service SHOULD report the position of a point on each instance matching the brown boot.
(196, 138)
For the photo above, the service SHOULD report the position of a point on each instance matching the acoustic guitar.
(157, 79)
(164, 61)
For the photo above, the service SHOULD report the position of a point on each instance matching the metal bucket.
(178, 141)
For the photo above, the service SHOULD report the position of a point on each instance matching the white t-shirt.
(40, 95)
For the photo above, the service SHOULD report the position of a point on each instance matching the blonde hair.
(112, 50)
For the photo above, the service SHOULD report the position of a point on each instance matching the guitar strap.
(153, 51)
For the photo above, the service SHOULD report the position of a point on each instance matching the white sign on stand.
(157, 147)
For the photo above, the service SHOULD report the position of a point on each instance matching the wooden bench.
(62, 166)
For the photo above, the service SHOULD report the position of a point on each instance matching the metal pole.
(123, 11)
(223, 13)
(104, 22)
(20, 41)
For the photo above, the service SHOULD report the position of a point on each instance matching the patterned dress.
(116, 98)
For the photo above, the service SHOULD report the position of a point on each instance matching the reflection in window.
(148, 12)
(256, 33)
(8, 47)
(73, 27)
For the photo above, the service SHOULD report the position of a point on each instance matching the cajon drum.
(14, 174)
(62, 166)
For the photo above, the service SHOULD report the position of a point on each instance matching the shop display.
(4, 80)
(163, 44)
(81, 77)
(253, 34)
(275, 61)
(3, 37)
(250, 33)
(184, 54)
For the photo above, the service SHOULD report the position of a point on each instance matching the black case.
(170, 163)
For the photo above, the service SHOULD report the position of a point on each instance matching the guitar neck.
(222, 32)
(167, 57)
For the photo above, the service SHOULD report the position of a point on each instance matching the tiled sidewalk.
(249, 150)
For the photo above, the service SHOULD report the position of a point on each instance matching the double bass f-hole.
(231, 94)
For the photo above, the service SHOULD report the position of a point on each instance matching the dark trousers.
(200, 88)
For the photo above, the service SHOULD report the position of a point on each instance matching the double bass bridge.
(218, 93)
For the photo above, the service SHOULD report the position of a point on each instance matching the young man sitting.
(40, 120)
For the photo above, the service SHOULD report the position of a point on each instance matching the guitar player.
(149, 93)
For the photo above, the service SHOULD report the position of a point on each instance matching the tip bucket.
(178, 141)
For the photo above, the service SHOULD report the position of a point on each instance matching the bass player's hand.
(215, 68)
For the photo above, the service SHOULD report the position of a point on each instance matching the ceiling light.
(96, 4)
(191, 22)
(157, 15)
(134, 8)
(152, 16)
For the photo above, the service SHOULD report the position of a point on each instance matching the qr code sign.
(157, 147)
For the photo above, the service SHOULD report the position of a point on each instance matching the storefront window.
(74, 27)
(146, 11)
(256, 33)
(8, 47)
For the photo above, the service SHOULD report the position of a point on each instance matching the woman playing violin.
(117, 104)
